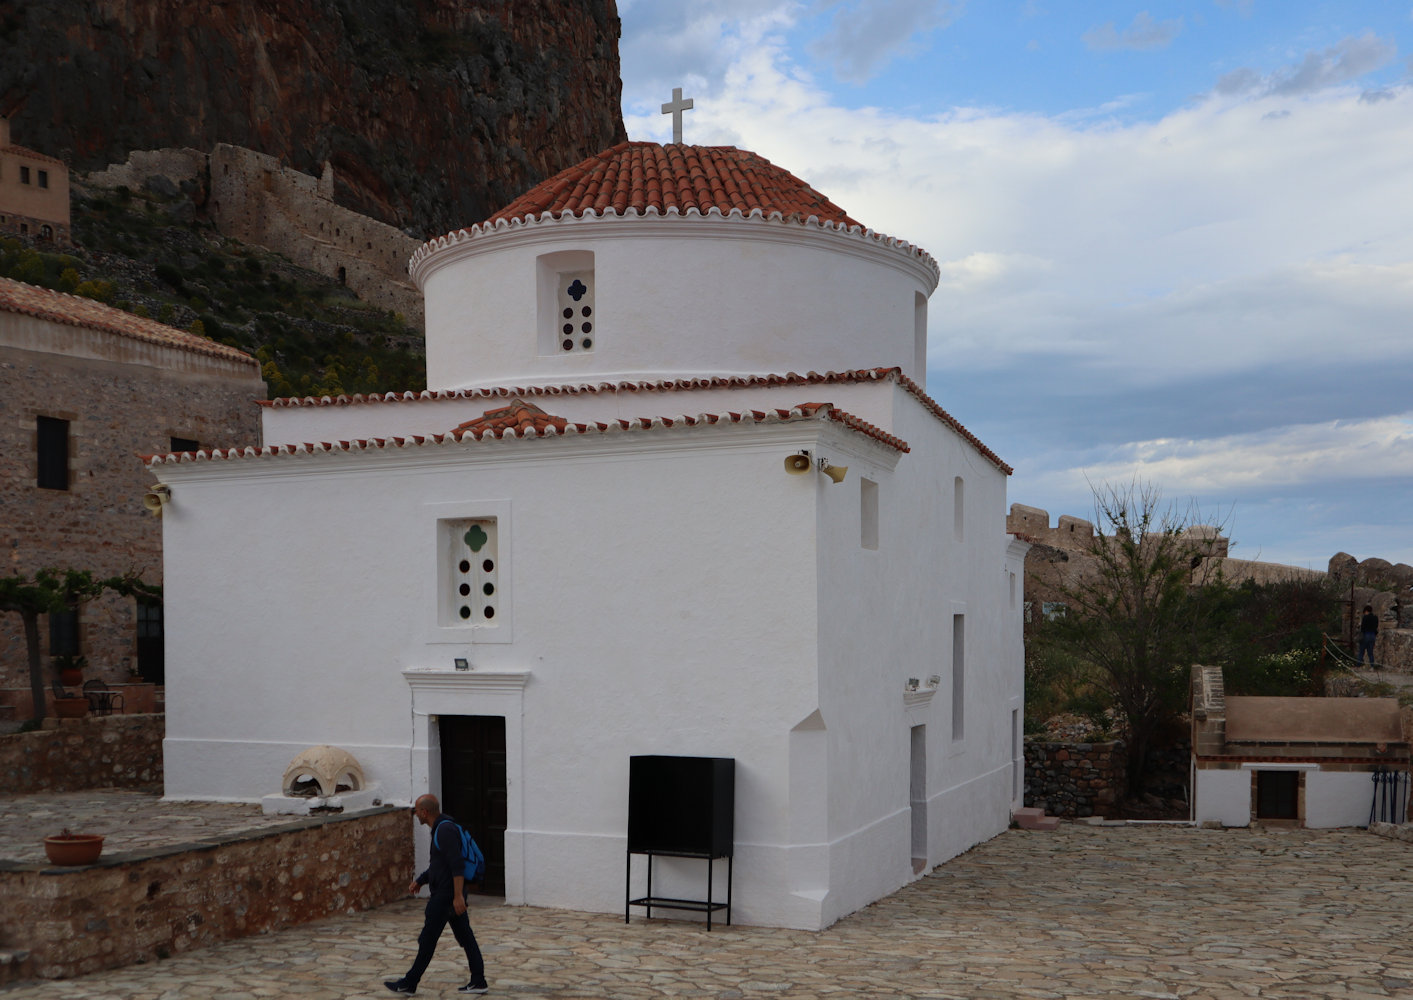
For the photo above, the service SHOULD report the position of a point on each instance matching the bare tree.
(1137, 615)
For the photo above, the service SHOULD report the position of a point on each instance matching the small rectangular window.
(24, 175)
(44, 178)
(958, 507)
(185, 444)
(959, 671)
(52, 440)
(868, 513)
(63, 633)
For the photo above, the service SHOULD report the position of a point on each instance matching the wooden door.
(474, 787)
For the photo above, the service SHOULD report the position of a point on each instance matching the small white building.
(1308, 762)
(620, 505)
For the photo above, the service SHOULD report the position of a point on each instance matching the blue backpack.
(475, 861)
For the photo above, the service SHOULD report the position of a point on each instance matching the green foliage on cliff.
(154, 256)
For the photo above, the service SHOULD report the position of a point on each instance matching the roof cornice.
(463, 244)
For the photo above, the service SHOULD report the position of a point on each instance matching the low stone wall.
(98, 751)
(1074, 779)
(149, 905)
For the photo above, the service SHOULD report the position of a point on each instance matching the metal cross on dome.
(675, 107)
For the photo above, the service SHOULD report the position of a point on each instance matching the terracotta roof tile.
(671, 385)
(30, 154)
(74, 310)
(518, 417)
(497, 425)
(643, 175)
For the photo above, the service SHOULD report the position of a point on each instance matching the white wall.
(1223, 796)
(1338, 798)
(674, 297)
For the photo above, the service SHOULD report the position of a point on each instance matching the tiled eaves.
(30, 154)
(667, 385)
(545, 429)
(504, 225)
(74, 310)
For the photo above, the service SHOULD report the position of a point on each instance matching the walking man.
(447, 905)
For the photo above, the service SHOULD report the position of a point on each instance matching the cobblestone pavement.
(1138, 911)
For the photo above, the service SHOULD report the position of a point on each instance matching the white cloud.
(1144, 33)
(1350, 452)
(867, 33)
(1346, 60)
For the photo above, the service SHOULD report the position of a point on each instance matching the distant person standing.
(447, 905)
(1368, 633)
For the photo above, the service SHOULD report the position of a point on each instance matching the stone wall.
(112, 751)
(122, 398)
(1074, 779)
(255, 199)
(149, 905)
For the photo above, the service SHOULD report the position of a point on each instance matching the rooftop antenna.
(675, 107)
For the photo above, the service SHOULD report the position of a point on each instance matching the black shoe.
(400, 986)
(480, 987)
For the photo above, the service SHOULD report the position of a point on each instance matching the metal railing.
(1390, 803)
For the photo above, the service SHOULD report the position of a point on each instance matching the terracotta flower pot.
(71, 677)
(73, 848)
(70, 708)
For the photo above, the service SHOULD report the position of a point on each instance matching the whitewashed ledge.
(1394, 831)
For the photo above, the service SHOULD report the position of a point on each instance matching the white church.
(676, 488)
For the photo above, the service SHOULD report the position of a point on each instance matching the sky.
(1175, 239)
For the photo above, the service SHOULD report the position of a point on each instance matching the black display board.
(682, 805)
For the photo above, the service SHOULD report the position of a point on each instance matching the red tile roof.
(74, 310)
(519, 416)
(640, 175)
(669, 385)
(30, 154)
(495, 428)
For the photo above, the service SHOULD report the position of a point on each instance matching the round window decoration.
(465, 611)
(490, 612)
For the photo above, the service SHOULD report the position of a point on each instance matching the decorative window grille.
(576, 311)
(472, 573)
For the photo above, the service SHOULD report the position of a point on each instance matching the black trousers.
(439, 914)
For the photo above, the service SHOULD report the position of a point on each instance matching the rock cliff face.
(434, 113)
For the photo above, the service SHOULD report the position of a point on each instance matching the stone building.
(1307, 762)
(1060, 558)
(86, 388)
(34, 192)
(621, 524)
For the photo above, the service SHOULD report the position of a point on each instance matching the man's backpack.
(471, 855)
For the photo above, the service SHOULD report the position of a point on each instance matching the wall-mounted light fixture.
(157, 498)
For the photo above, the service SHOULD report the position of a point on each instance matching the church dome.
(643, 175)
(654, 261)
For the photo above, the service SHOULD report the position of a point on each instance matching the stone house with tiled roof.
(677, 489)
(34, 192)
(86, 388)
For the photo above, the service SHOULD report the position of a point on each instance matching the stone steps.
(15, 965)
(1031, 818)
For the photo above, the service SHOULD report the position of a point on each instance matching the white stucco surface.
(1223, 796)
(1338, 798)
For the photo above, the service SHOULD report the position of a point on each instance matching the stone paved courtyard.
(1155, 911)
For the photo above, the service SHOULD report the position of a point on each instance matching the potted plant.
(67, 848)
(70, 669)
